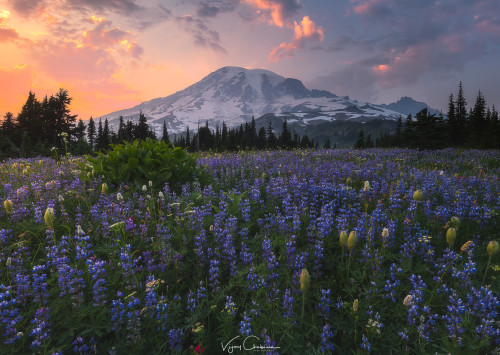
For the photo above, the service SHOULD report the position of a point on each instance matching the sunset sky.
(114, 54)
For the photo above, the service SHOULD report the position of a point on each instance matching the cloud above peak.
(276, 12)
(202, 34)
(306, 32)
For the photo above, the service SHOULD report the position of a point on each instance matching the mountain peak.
(234, 95)
(407, 105)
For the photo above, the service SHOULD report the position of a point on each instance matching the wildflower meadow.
(279, 252)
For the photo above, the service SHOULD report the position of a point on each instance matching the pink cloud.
(371, 8)
(490, 28)
(305, 31)
(402, 68)
(454, 42)
(8, 34)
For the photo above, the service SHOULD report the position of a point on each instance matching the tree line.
(38, 131)
(478, 127)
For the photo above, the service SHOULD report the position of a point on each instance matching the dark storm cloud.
(214, 8)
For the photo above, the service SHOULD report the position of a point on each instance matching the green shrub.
(141, 162)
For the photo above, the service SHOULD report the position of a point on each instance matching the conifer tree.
(478, 125)
(100, 137)
(453, 129)
(223, 136)
(141, 129)
(106, 135)
(164, 136)
(29, 121)
(461, 117)
(91, 133)
(121, 130)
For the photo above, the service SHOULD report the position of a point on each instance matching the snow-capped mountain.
(234, 95)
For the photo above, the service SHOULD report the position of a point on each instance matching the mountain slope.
(233, 95)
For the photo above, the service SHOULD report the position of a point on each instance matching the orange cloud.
(279, 10)
(305, 31)
(276, 13)
(107, 38)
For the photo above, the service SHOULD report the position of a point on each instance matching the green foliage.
(142, 162)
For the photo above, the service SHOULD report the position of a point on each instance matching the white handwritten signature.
(249, 344)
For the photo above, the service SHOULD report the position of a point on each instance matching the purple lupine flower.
(97, 272)
(133, 320)
(268, 255)
(246, 255)
(80, 347)
(117, 313)
(484, 304)
(318, 257)
(200, 241)
(268, 343)
(71, 282)
(40, 293)
(23, 285)
(161, 314)
(83, 247)
(214, 274)
(245, 325)
(244, 206)
(9, 315)
(288, 304)
(455, 309)
(324, 303)
(42, 327)
(191, 302)
(392, 284)
(175, 339)
(365, 344)
(326, 334)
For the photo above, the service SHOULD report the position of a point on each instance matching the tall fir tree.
(106, 135)
(100, 137)
(91, 133)
(141, 129)
(461, 117)
(164, 136)
(121, 130)
(478, 125)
